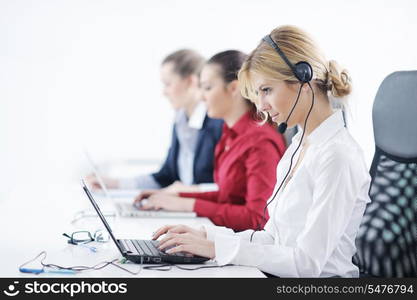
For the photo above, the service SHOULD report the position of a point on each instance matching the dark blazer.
(208, 137)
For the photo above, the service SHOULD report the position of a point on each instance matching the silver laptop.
(124, 205)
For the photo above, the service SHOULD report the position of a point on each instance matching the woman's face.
(277, 98)
(215, 92)
(175, 87)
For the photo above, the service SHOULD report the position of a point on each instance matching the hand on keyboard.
(139, 204)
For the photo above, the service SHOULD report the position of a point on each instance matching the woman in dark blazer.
(190, 158)
(207, 139)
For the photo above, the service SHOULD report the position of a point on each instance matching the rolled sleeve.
(226, 248)
(212, 231)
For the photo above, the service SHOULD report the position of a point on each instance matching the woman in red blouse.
(245, 157)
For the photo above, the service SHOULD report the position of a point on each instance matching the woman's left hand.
(168, 202)
(188, 243)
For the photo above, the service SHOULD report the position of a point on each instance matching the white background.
(86, 73)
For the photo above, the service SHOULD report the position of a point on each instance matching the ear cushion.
(303, 71)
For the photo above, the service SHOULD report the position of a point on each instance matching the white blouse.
(314, 219)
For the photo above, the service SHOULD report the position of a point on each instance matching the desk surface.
(32, 219)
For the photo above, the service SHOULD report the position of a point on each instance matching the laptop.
(124, 205)
(143, 251)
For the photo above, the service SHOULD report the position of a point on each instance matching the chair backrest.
(387, 238)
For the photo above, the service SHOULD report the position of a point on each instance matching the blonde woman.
(322, 181)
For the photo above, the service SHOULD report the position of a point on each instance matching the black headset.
(301, 70)
(304, 73)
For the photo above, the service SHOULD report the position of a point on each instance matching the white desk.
(32, 219)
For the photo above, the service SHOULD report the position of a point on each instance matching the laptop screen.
(93, 202)
(97, 174)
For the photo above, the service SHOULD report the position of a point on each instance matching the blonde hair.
(297, 45)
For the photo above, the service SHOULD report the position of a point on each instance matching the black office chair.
(387, 238)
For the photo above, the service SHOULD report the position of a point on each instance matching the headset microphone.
(283, 126)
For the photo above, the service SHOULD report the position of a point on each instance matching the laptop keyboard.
(146, 248)
(149, 247)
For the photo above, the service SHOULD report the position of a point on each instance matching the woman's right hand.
(142, 196)
(175, 229)
(178, 187)
(110, 183)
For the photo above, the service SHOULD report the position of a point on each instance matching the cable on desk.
(168, 267)
(77, 269)
(72, 269)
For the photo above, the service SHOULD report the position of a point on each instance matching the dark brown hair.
(230, 62)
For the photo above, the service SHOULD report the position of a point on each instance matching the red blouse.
(246, 157)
